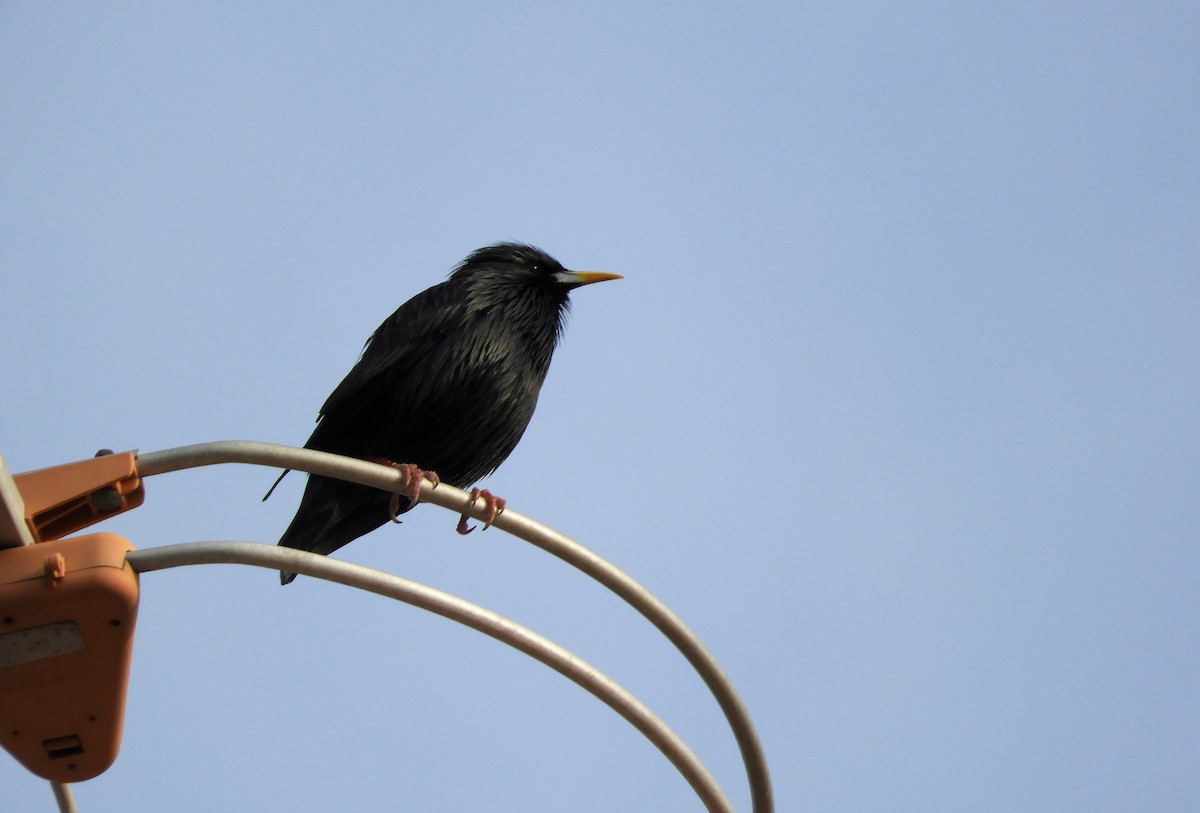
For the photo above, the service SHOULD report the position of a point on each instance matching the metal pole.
(456, 609)
(64, 797)
(549, 540)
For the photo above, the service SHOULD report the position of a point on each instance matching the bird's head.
(522, 282)
(521, 264)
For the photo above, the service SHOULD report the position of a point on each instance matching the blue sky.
(896, 406)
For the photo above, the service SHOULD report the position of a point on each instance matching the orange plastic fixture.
(67, 613)
(64, 499)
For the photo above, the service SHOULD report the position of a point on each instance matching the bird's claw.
(412, 477)
(495, 507)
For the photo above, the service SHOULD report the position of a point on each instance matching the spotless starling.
(444, 388)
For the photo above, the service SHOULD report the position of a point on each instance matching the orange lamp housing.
(67, 614)
(63, 499)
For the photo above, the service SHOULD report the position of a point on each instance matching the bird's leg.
(495, 507)
(412, 477)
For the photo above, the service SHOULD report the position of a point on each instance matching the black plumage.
(448, 382)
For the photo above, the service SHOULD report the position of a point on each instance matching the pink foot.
(411, 478)
(495, 507)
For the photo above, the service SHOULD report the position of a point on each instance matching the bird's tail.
(333, 513)
(301, 536)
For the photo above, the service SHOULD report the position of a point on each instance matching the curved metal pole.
(549, 540)
(456, 609)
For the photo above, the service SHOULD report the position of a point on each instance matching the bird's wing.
(416, 328)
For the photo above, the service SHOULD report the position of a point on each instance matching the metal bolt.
(105, 500)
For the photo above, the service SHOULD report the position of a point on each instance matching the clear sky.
(897, 405)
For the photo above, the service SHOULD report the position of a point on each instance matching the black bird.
(446, 384)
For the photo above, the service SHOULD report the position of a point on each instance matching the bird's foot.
(495, 507)
(412, 477)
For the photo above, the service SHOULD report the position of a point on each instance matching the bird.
(444, 389)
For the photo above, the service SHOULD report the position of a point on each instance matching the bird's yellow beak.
(576, 278)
